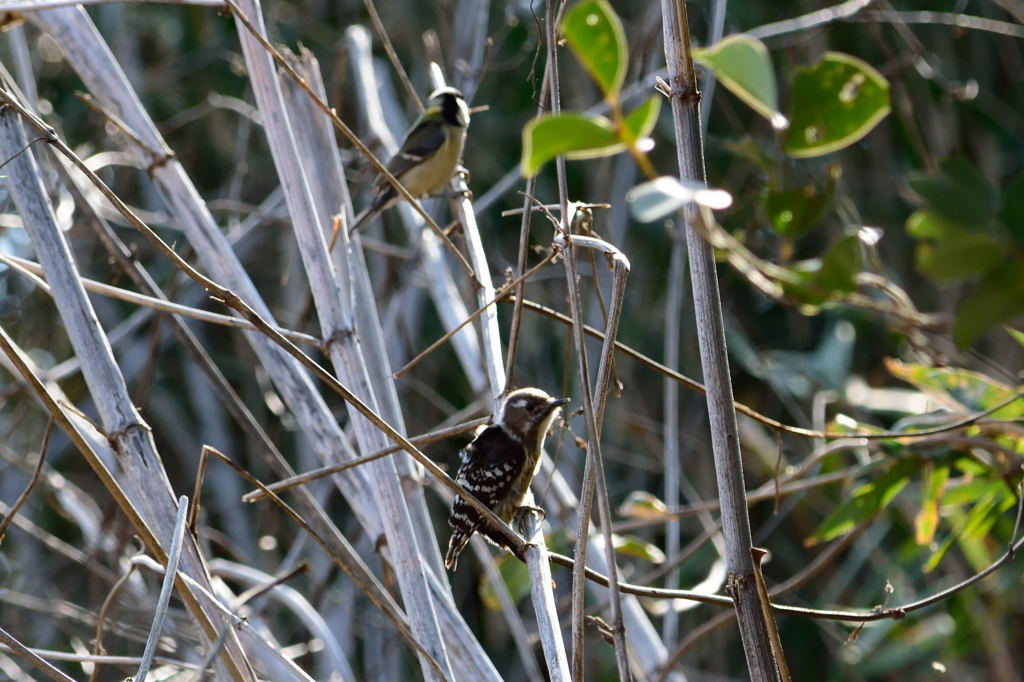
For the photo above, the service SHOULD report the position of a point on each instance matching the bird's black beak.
(556, 403)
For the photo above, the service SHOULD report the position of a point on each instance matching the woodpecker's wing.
(490, 465)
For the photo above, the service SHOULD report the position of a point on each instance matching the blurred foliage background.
(939, 181)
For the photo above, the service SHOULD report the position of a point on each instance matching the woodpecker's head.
(527, 413)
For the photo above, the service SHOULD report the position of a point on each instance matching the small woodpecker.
(498, 466)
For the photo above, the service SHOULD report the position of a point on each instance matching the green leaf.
(802, 283)
(971, 391)
(925, 224)
(516, 577)
(817, 280)
(947, 252)
(841, 264)
(1016, 334)
(640, 122)
(972, 528)
(999, 297)
(960, 193)
(866, 501)
(742, 64)
(932, 487)
(642, 505)
(650, 201)
(631, 545)
(595, 34)
(833, 104)
(578, 136)
(793, 212)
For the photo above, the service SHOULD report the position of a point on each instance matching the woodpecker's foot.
(530, 509)
(463, 173)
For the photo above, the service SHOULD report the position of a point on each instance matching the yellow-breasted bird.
(498, 466)
(425, 162)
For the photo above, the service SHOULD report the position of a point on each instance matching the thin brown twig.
(23, 497)
(101, 617)
(38, 663)
(320, 472)
(846, 615)
(969, 420)
(354, 139)
(235, 302)
(115, 120)
(500, 294)
(158, 304)
(389, 49)
(24, 149)
(365, 580)
(593, 475)
(240, 603)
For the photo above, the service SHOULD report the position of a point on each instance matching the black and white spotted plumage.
(498, 466)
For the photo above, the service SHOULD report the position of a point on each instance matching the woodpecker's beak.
(556, 403)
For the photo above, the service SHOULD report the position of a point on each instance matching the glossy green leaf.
(867, 500)
(594, 32)
(578, 136)
(927, 519)
(793, 212)
(833, 104)
(998, 298)
(640, 122)
(742, 64)
(959, 193)
(972, 391)
(650, 201)
(642, 505)
(631, 545)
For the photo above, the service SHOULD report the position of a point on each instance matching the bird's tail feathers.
(456, 543)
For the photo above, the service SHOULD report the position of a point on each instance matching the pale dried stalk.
(337, 322)
(162, 305)
(298, 605)
(753, 620)
(538, 561)
(593, 470)
(316, 140)
(441, 283)
(142, 473)
(535, 551)
(89, 56)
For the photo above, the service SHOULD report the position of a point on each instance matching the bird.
(498, 466)
(429, 154)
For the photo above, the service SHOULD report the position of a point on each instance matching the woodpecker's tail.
(456, 544)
